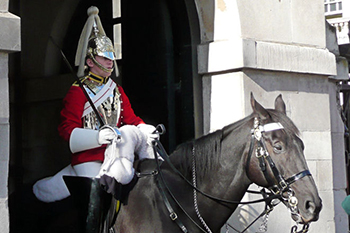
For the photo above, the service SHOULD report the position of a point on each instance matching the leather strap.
(173, 216)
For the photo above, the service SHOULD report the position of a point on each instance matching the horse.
(263, 148)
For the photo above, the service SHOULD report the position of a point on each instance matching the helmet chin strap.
(99, 65)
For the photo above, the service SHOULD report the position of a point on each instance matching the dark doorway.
(157, 69)
(156, 65)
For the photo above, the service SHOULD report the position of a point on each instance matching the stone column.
(9, 42)
(271, 48)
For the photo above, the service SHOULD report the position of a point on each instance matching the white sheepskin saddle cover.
(119, 155)
(118, 163)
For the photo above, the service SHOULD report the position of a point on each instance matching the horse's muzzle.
(310, 212)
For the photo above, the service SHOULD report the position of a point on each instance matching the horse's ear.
(257, 108)
(280, 106)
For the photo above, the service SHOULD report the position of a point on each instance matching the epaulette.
(82, 80)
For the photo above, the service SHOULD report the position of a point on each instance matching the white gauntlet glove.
(150, 132)
(85, 139)
(107, 134)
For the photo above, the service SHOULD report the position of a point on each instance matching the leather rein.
(277, 189)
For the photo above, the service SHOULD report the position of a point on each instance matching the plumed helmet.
(93, 41)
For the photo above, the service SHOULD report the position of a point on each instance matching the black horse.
(263, 148)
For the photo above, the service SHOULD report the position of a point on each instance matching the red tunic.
(71, 118)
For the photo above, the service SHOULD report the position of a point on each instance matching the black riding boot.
(91, 200)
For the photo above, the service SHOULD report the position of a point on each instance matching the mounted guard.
(102, 130)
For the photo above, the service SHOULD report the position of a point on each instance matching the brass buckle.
(283, 185)
(173, 216)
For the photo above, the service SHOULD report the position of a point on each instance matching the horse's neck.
(229, 181)
(230, 156)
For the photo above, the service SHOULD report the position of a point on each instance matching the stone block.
(4, 100)
(317, 145)
(274, 56)
(227, 24)
(206, 19)
(206, 82)
(4, 215)
(220, 56)
(237, 53)
(310, 111)
(4, 5)
(265, 20)
(4, 142)
(283, 21)
(4, 65)
(308, 19)
(4, 172)
(339, 161)
(326, 220)
(288, 83)
(337, 124)
(227, 100)
(342, 69)
(331, 38)
(324, 175)
(10, 33)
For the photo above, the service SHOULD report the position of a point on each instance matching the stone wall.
(9, 42)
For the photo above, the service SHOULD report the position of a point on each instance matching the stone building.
(10, 42)
(196, 63)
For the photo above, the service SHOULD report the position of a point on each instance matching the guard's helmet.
(93, 41)
(101, 46)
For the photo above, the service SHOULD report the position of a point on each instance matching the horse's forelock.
(287, 123)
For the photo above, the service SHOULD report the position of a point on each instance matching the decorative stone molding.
(10, 33)
(223, 56)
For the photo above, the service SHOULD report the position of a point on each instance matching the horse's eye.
(277, 147)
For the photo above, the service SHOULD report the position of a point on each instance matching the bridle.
(281, 189)
(282, 186)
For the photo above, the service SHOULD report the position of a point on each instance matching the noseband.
(282, 186)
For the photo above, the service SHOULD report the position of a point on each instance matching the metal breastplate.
(109, 109)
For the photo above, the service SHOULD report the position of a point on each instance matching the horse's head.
(278, 146)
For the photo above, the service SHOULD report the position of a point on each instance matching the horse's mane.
(207, 151)
(207, 148)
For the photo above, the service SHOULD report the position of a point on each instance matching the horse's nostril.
(310, 206)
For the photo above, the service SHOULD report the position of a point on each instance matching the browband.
(271, 127)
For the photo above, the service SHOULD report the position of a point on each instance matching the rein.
(158, 147)
(277, 190)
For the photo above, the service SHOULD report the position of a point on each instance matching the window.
(333, 7)
(117, 29)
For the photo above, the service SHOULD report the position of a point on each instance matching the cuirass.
(109, 109)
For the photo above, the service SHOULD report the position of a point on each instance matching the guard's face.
(105, 62)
